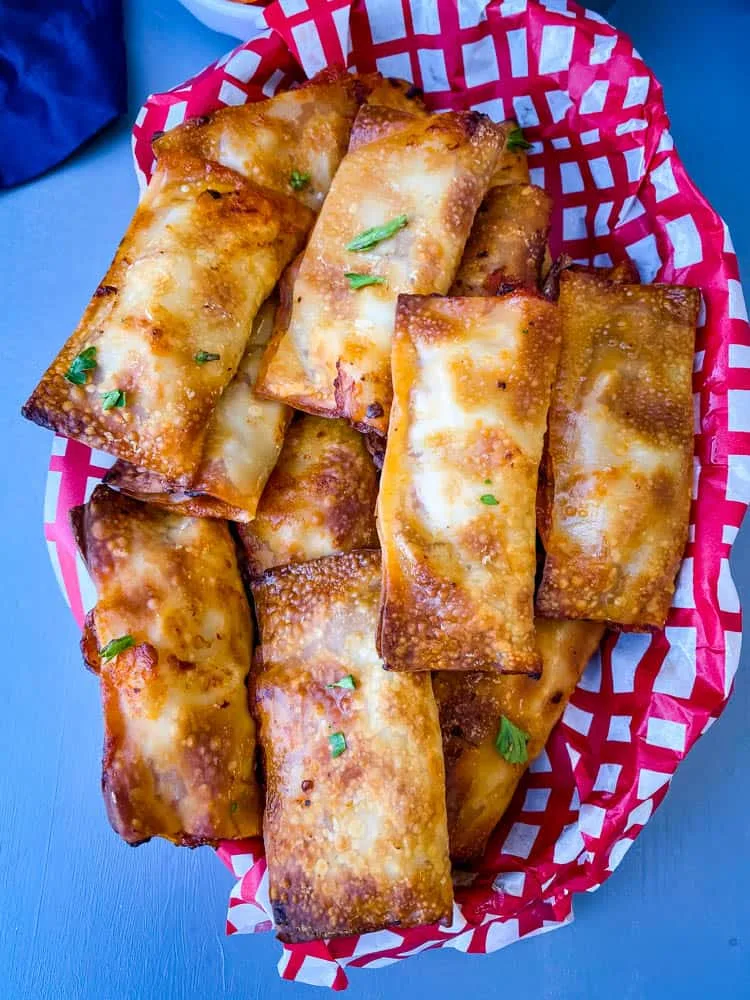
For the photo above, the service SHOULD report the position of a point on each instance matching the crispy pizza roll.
(456, 508)
(167, 328)
(243, 442)
(485, 757)
(507, 243)
(292, 143)
(319, 501)
(171, 640)
(355, 826)
(620, 451)
(396, 220)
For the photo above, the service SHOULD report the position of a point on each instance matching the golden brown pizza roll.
(620, 451)
(319, 501)
(171, 640)
(292, 143)
(355, 827)
(167, 328)
(242, 444)
(396, 220)
(456, 508)
(494, 726)
(507, 242)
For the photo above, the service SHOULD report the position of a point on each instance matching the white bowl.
(240, 20)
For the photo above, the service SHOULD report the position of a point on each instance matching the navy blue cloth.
(62, 79)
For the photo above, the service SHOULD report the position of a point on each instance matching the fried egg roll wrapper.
(204, 250)
(480, 782)
(242, 445)
(319, 501)
(624, 272)
(456, 508)
(301, 133)
(507, 243)
(179, 740)
(620, 451)
(333, 356)
(355, 824)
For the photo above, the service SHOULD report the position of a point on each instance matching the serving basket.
(601, 147)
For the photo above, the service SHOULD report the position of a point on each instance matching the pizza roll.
(242, 444)
(166, 330)
(396, 220)
(355, 827)
(456, 508)
(620, 451)
(171, 640)
(292, 143)
(494, 726)
(507, 243)
(319, 501)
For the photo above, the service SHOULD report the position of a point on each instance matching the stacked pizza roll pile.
(489, 466)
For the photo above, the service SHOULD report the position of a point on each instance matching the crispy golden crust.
(620, 451)
(359, 841)
(456, 508)
(624, 272)
(306, 130)
(374, 123)
(390, 92)
(179, 740)
(243, 442)
(333, 357)
(203, 251)
(480, 783)
(512, 166)
(507, 243)
(319, 501)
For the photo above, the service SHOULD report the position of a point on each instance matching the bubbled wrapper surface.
(601, 147)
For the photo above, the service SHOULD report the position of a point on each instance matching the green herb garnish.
(517, 140)
(371, 237)
(487, 482)
(115, 397)
(345, 682)
(511, 742)
(489, 500)
(233, 807)
(298, 180)
(203, 356)
(81, 364)
(116, 646)
(338, 744)
(362, 280)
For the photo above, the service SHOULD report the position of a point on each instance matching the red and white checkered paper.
(602, 148)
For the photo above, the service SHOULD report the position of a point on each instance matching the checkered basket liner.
(602, 149)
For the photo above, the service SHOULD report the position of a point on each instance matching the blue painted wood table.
(82, 915)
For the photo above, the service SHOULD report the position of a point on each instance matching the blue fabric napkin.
(62, 79)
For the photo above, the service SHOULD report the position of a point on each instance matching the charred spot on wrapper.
(105, 290)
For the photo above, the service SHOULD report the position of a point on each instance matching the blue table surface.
(81, 914)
